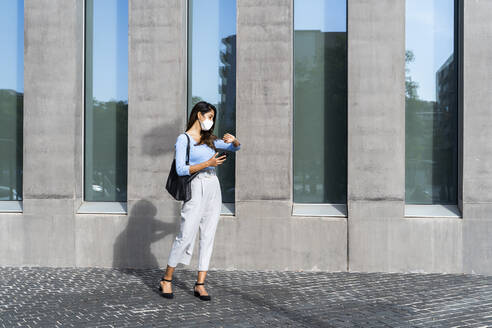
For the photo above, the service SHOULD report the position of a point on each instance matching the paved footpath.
(96, 297)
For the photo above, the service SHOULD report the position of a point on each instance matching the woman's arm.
(230, 146)
(198, 167)
(213, 161)
(180, 147)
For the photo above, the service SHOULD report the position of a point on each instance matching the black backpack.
(179, 186)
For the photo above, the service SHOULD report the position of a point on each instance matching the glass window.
(212, 72)
(11, 98)
(320, 101)
(106, 100)
(431, 106)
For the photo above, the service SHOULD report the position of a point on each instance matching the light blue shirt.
(198, 153)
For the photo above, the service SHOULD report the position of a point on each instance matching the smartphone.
(222, 154)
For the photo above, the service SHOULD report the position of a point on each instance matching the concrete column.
(157, 94)
(477, 136)
(376, 101)
(376, 118)
(264, 107)
(52, 101)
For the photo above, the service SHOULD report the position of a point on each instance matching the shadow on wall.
(166, 135)
(132, 248)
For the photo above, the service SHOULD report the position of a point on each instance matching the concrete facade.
(381, 238)
(263, 233)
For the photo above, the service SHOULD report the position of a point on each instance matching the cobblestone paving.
(96, 297)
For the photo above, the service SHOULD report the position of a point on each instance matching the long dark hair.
(206, 137)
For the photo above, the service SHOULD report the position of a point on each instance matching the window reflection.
(11, 98)
(320, 101)
(106, 100)
(212, 72)
(431, 143)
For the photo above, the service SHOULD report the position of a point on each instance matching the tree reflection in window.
(11, 98)
(106, 100)
(431, 101)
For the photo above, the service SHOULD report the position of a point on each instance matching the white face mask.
(207, 124)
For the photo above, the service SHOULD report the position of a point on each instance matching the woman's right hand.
(215, 161)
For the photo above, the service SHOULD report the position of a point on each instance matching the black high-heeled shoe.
(202, 297)
(166, 295)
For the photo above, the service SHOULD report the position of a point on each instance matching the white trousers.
(201, 212)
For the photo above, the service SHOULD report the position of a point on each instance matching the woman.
(202, 211)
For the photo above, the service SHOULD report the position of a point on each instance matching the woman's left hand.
(228, 138)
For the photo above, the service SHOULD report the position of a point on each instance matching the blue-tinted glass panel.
(320, 101)
(212, 72)
(431, 130)
(11, 97)
(106, 100)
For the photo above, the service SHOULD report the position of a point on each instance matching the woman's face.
(208, 115)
